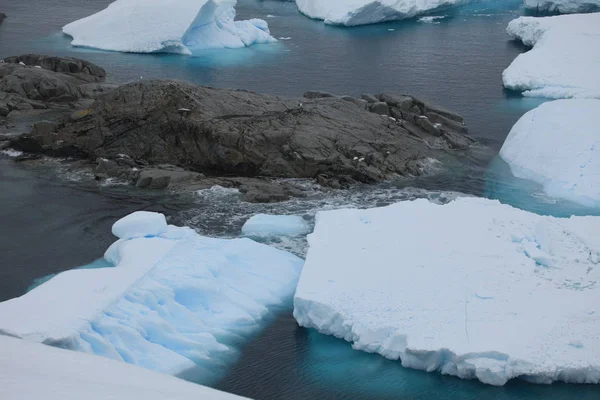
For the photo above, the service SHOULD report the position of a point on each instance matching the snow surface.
(361, 12)
(563, 6)
(459, 288)
(564, 61)
(275, 225)
(172, 303)
(140, 26)
(32, 371)
(139, 224)
(558, 145)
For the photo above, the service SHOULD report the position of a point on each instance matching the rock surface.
(2, 16)
(239, 133)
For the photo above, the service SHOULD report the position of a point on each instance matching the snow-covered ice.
(361, 12)
(174, 26)
(33, 371)
(558, 146)
(459, 289)
(174, 300)
(563, 6)
(433, 19)
(275, 225)
(564, 61)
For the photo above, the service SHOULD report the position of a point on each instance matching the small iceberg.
(558, 146)
(174, 302)
(564, 61)
(170, 26)
(473, 288)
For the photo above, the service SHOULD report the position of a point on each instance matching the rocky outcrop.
(2, 16)
(222, 132)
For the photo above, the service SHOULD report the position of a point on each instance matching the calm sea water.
(53, 220)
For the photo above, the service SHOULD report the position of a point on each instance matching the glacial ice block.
(558, 146)
(452, 288)
(173, 302)
(362, 12)
(175, 26)
(275, 225)
(563, 6)
(140, 223)
(33, 371)
(564, 61)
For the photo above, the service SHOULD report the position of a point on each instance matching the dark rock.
(424, 123)
(348, 98)
(317, 94)
(362, 103)
(380, 108)
(403, 102)
(45, 127)
(2, 17)
(370, 98)
(81, 69)
(162, 178)
(240, 133)
(4, 110)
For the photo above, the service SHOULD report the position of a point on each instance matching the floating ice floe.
(174, 26)
(563, 6)
(558, 146)
(431, 19)
(175, 301)
(473, 288)
(32, 371)
(564, 61)
(361, 12)
(275, 225)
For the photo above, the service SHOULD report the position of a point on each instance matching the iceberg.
(564, 61)
(362, 12)
(172, 26)
(563, 6)
(33, 371)
(174, 302)
(558, 146)
(473, 288)
(275, 225)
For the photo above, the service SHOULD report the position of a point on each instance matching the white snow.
(563, 6)
(275, 225)
(558, 145)
(140, 223)
(171, 303)
(32, 371)
(140, 26)
(361, 12)
(564, 61)
(454, 288)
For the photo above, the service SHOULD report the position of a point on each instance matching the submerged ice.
(174, 26)
(473, 288)
(558, 146)
(275, 225)
(175, 301)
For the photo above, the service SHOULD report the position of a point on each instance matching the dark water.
(53, 221)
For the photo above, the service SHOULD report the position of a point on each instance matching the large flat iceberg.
(563, 6)
(558, 146)
(564, 61)
(174, 302)
(140, 26)
(32, 371)
(361, 12)
(473, 288)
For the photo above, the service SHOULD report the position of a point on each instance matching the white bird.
(355, 158)
(22, 63)
(361, 159)
(300, 104)
(36, 66)
(393, 119)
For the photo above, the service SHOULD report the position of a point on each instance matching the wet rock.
(316, 94)
(81, 69)
(369, 98)
(2, 17)
(380, 108)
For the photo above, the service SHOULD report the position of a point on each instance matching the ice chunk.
(175, 26)
(447, 288)
(140, 223)
(361, 12)
(558, 145)
(275, 225)
(564, 61)
(32, 371)
(173, 302)
(563, 6)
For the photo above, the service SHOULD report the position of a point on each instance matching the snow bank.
(558, 146)
(275, 225)
(361, 12)
(173, 302)
(31, 371)
(563, 6)
(564, 61)
(473, 288)
(175, 26)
